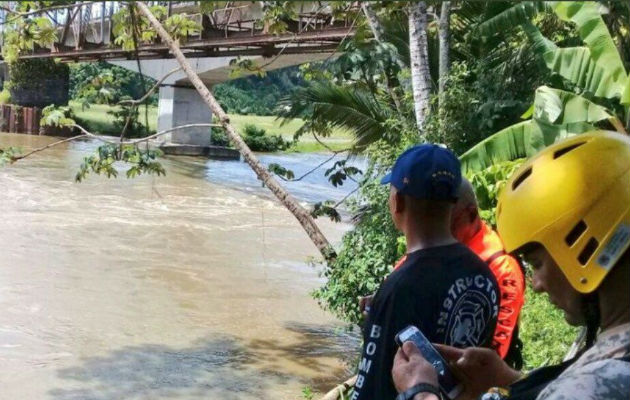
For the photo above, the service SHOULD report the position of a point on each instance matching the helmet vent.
(575, 233)
(517, 182)
(561, 152)
(588, 251)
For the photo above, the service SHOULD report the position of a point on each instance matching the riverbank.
(97, 119)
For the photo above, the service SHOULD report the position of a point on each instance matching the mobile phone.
(449, 385)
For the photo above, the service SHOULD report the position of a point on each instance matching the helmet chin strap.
(590, 309)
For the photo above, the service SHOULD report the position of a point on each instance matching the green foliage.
(127, 117)
(473, 106)
(240, 65)
(102, 162)
(24, 34)
(281, 171)
(57, 116)
(88, 79)
(326, 208)
(545, 334)
(219, 137)
(258, 95)
(590, 73)
(257, 140)
(276, 14)
(488, 184)
(5, 96)
(340, 106)
(179, 26)
(307, 393)
(367, 255)
(38, 82)
(8, 154)
(339, 172)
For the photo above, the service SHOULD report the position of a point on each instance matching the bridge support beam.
(180, 105)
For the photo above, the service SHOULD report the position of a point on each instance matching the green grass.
(96, 119)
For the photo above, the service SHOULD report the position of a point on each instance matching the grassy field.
(97, 119)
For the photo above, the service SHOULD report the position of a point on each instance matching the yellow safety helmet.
(573, 198)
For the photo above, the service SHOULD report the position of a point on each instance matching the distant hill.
(255, 95)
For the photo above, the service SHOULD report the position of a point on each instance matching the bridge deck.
(84, 32)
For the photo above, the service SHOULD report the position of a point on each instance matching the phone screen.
(448, 383)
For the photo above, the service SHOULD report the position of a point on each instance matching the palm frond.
(348, 107)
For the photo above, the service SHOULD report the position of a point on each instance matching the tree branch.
(17, 158)
(308, 172)
(141, 140)
(346, 197)
(153, 88)
(106, 139)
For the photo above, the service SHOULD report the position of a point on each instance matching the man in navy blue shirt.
(443, 288)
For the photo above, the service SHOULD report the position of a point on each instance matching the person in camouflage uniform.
(567, 212)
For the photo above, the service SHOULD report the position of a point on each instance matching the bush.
(38, 83)
(367, 255)
(5, 96)
(545, 334)
(219, 138)
(257, 140)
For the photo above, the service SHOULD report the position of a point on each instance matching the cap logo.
(443, 173)
(405, 180)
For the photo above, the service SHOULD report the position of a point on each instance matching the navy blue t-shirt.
(446, 291)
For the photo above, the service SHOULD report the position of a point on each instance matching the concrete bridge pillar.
(180, 105)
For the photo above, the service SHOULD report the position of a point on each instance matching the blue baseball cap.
(426, 171)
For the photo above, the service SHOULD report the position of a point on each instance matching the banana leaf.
(521, 140)
(597, 67)
(555, 106)
(512, 17)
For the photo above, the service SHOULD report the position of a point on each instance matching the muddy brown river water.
(176, 287)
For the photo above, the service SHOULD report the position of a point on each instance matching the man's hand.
(364, 304)
(478, 369)
(411, 369)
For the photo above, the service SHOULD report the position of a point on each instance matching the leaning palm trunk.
(301, 214)
(340, 391)
(376, 27)
(444, 27)
(418, 52)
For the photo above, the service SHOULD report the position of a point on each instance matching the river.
(189, 286)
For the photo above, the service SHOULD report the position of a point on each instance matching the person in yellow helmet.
(567, 212)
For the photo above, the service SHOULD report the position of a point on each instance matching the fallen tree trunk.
(339, 391)
(300, 213)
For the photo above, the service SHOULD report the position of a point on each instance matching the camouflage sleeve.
(606, 379)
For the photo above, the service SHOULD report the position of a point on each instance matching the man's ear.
(399, 203)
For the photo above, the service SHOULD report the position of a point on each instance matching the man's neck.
(424, 239)
(614, 298)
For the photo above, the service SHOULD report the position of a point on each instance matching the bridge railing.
(88, 25)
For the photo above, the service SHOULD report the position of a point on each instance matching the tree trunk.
(377, 31)
(301, 214)
(418, 52)
(444, 27)
(376, 28)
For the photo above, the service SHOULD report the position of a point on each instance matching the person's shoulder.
(604, 379)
